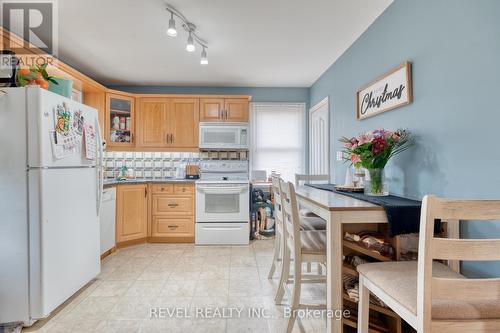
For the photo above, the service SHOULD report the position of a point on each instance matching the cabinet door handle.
(173, 205)
(172, 137)
(132, 138)
(146, 192)
(173, 226)
(166, 137)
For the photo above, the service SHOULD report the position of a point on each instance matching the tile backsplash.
(156, 165)
(159, 165)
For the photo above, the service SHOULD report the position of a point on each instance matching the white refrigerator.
(50, 195)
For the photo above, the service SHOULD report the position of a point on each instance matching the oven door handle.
(222, 190)
(219, 228)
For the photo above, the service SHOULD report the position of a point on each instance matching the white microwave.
(224, 135)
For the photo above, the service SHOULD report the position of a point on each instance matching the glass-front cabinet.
(120, 123)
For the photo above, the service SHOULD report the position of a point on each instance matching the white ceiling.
(266, 43)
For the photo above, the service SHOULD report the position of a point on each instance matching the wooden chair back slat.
(449, 209)
(466, 249)
(307, 179)
(470, 289)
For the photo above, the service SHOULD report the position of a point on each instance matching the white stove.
(222, 203)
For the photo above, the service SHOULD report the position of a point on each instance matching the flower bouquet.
(372, 150)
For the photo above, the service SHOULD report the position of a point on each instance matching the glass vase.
(375, 183)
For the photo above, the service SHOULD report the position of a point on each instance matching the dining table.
(339, 211)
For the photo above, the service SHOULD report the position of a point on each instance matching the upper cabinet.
(167, 122)
(224, 110)
(236, 109)
(119, 128)
(152, 122)
(184, 122)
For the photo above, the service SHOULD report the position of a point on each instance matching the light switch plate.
(340, 156)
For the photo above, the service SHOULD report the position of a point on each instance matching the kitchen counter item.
(192, 171)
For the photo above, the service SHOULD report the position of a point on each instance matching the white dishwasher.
(107, 219)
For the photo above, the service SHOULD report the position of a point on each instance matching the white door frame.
(324, 102)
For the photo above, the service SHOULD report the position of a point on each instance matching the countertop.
(111, 182)
(333, 201)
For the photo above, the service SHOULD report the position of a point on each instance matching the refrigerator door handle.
(99, 171)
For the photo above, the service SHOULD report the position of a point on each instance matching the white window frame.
(253, 108)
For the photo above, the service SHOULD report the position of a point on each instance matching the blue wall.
(292, 95)
(455, 50)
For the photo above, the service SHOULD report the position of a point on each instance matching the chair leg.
(363, 307)
(297, 284)
(276, 257)
(285, 273)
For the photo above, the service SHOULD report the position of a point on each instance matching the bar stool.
(429, 295)
(306, 223)
(302, 246)
(301, 179)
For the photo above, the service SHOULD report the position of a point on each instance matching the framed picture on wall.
(388, 92)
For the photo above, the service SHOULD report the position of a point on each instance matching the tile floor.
(187, 278)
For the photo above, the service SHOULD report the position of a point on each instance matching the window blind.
(278, 138)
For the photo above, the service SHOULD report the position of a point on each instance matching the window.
(278, 138)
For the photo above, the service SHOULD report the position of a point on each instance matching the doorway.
(319, 138)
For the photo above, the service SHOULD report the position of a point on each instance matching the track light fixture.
(190, 28)
(190, 44)
(204, 59)
(171, 31)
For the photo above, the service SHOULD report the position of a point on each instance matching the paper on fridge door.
(89, 141)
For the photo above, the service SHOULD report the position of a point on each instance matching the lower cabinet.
(172, 212)
(131, 213)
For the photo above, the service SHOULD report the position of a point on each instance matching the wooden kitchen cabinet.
(168, 122)
(172, 212)
(211, 109)
(119, 121)
(131, 213)
(152, 122)
(236, 110)
(224, 110)
(183, 122)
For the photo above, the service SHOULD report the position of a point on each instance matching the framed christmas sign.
(388, 92)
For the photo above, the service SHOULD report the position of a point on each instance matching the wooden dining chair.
(429, 295)
(301, 179)
(299, 246)
(278, 226)
(306, 223)
(314, 222)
